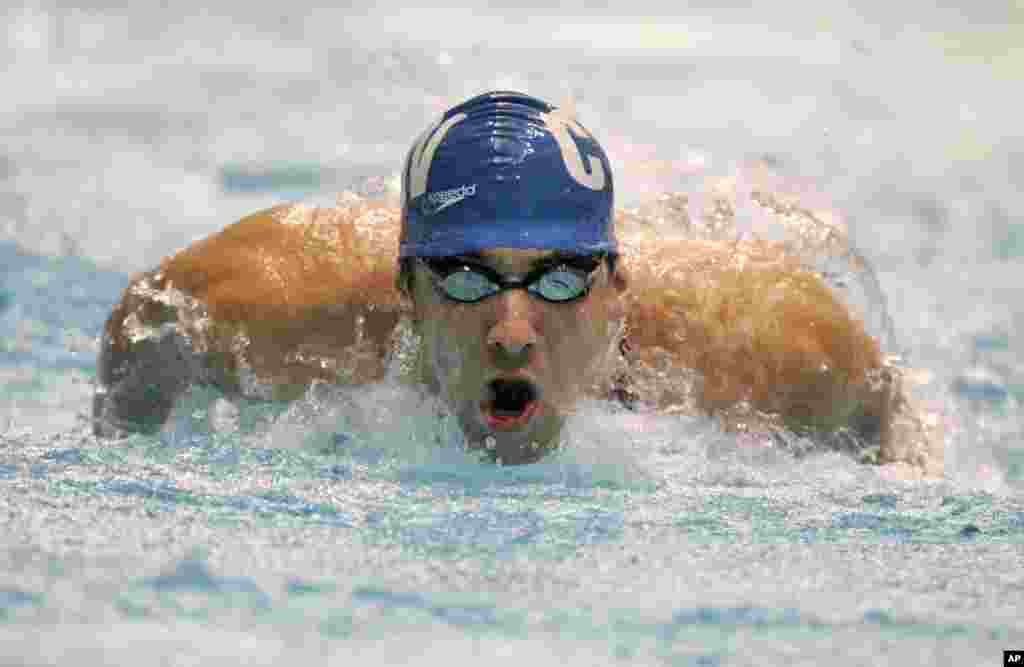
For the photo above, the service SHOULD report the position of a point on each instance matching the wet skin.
(563, 349)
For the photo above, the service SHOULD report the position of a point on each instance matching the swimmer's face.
(512, 365)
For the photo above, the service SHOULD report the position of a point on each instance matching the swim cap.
(504, 169)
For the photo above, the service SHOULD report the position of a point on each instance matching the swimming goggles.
(564, 279)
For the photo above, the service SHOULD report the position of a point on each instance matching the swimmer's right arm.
(260, 310)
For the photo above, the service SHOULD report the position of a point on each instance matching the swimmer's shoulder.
(748, 331)
(291, 258)
(310, 290)
(271, 303)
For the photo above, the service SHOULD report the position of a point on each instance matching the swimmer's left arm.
(763, 336)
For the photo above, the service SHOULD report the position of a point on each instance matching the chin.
(512, 444)
(520, 448)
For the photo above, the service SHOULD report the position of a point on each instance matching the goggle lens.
(468, 286)
(561, 284)
(468, 283)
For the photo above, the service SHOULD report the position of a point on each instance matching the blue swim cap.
(504, 169)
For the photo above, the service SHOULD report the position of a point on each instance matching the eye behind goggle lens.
(468, 286)
(562, 284)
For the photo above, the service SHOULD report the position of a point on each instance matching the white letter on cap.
(423, 153)
(558, 122)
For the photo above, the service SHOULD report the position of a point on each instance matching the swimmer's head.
(504, 169)
(507, 250)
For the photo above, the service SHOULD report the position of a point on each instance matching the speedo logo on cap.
(435, 202)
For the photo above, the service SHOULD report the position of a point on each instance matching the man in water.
(509, 271)
(508, 252)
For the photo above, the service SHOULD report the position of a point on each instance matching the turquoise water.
(336, 529)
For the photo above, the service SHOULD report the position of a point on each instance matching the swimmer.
(504, 262)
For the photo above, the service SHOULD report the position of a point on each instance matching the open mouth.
(509, 402)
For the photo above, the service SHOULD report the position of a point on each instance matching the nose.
(513, 336)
